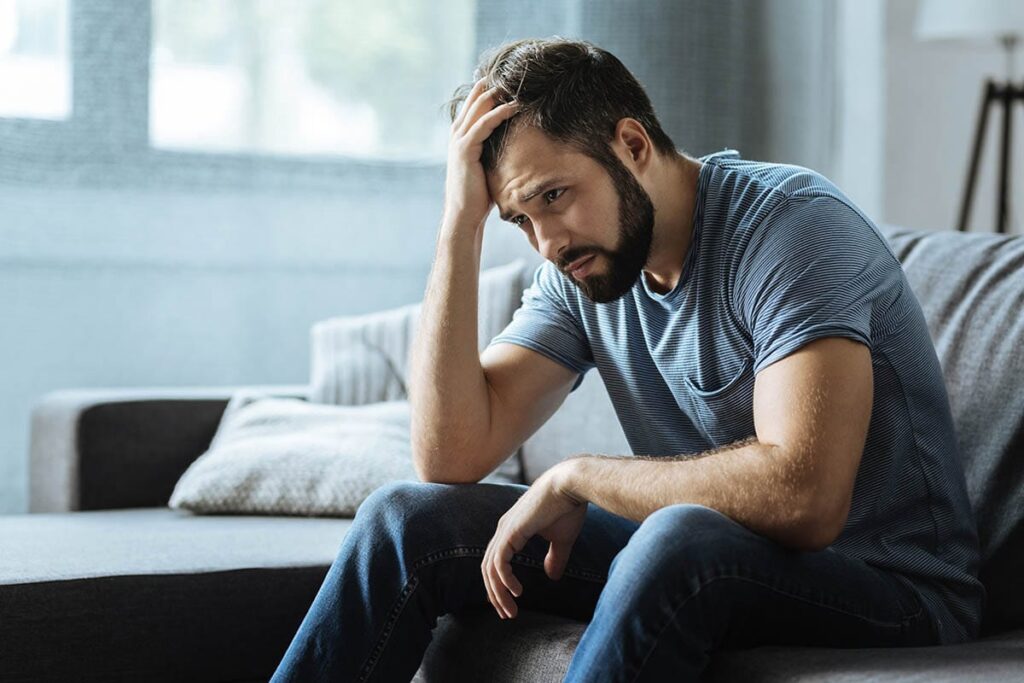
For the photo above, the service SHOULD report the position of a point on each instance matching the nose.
(552, 239)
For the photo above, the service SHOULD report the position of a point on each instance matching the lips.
(580, 266)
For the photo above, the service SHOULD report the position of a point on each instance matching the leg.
(413, 553)
(691, 580)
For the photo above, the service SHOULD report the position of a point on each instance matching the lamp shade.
(969, 19)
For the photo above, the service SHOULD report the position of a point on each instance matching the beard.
(636, 230)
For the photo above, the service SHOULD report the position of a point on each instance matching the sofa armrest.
(94, 449)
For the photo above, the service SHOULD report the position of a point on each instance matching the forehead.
(531, 156)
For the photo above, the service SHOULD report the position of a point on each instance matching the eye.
(552, 195)
(518, 220)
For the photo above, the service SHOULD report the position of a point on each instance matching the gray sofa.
(104, 582)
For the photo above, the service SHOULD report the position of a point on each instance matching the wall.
(932, 92)
(859, 132)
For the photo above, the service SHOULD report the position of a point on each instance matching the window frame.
(104, 142)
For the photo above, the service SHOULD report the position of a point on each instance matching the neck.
(673, 192)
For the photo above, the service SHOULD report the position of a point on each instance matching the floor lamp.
(1001, 20)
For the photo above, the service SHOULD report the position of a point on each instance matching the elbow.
(425, 463)
(822, 527)
(434, 467)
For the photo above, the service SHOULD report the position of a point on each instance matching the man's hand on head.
(467, 201)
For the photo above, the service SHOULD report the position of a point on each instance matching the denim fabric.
(659, 596)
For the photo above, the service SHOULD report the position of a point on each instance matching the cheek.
(598, 221)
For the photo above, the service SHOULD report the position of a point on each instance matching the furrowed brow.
(537, 189)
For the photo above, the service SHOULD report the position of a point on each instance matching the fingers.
(479, 115)
(556, 560)
(470, 98)
(481, 102)
(486, 124)
(503, 568)
(484, 569)
(491, 598)
(499, 581)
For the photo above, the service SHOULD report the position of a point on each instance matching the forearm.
(747, 481)
(447, 389)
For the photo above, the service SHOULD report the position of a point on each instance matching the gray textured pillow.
(284, 456)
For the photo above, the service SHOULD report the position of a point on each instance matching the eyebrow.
(537, 189)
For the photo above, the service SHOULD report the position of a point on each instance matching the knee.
(686, 521)
(432, 509)
(398, 503)
(411, 519)
(687, 537)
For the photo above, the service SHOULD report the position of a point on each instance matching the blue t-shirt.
(780, 257)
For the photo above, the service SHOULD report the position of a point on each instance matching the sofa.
(102, 581)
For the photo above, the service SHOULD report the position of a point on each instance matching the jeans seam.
(396, 610)
(413, 582)
(903, 620)
(582, 574)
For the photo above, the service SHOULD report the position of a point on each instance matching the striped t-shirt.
(780, 257)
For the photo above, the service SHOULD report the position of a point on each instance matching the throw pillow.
(284, 456)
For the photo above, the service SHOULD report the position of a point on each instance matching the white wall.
(932, 93)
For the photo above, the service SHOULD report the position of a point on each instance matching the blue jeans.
(660, 596)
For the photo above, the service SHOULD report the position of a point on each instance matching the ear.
(633, 145)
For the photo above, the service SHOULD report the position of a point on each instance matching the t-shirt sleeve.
(813, 268)
(545, 324)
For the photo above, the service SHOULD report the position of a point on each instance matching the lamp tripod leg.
(988, 95)
(1004, 159)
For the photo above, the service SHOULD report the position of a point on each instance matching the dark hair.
(572, 90)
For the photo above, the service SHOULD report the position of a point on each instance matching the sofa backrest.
(585, 423)
(971, 289)
(358, 359)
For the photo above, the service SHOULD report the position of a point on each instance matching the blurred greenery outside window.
(35, 70)
(364, 79)
(333, 79)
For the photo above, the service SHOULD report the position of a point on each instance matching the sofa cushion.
(159, 541)
(477, 645)
(156, 594)
(971, 289)
(285, 456)
(992, 658)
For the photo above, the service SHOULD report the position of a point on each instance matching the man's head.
(581, 120)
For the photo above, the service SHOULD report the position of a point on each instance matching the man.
(795, 477)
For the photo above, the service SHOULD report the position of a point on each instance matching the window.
(361, 78)
(35, 72)
(244, 95)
